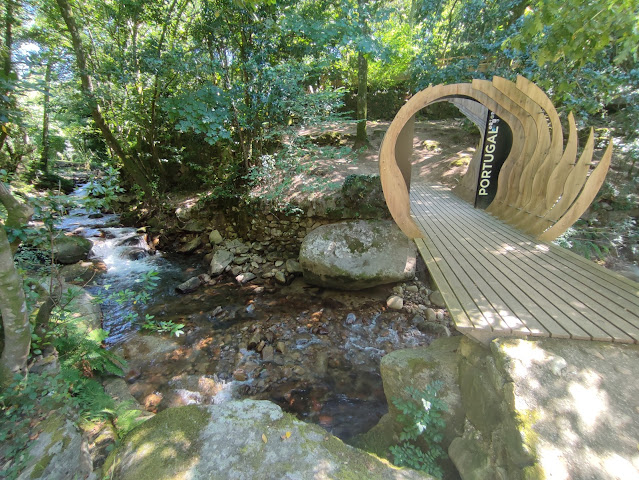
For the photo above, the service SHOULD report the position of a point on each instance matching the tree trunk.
(7, 64)
(130, 167)
(44, 158)
(13, 306)
(361, 139)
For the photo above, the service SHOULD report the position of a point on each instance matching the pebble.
(395, 302)
(245, 277)
(350, 319)
(440, 316)
(268, 353)
(240, 375)
(431, 315)
(412, 288)
(280, 277)
(279, 263)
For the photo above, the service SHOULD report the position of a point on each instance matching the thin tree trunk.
(361, 139)
(130, 166)
(44, 159)
(13, 306)
(7, 64)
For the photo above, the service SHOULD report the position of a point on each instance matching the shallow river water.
(313, 351)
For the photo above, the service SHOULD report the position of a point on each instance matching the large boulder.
(59, 451)
(550, 408)
(358, 254)
(69, 249)
(418, 367)
(242, 440)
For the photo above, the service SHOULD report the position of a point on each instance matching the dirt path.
(442, 150)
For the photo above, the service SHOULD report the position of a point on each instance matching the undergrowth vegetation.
(423, 425)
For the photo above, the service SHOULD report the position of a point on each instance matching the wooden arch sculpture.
(542, 189)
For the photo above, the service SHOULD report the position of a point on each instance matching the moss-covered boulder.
(69, 249)
(242, 440)
(418, 367)
(357, 254)
(59, 452)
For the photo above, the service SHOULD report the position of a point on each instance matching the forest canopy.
(204, 89)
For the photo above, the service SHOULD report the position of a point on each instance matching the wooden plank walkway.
(497, 281)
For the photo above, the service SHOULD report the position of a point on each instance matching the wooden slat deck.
(497, 281)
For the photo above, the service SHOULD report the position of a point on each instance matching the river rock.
(191, 285)
(84, 307)
(215, 238)
(242, 440)
(82, 272)
(191, 246)
(69, 249)
(395, 302)
(194, 226)
(293, 266)
(221, 259)
(245, 277)
(357, 254)
(59, 451)
(437, 299)
(280, 277)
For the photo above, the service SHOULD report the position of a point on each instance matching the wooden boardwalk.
(497, 281)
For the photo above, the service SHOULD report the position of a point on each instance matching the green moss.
(533, 472)
(526, 420)
(40, 467)
(163, 443)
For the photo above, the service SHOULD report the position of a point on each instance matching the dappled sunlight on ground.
(442, 150)
(578, 405)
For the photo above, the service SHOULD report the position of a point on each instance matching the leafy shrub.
(423, 424)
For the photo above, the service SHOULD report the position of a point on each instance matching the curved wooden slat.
(539, 190)
(583, 201)
(542, 146)
(523, 142)
(543, 175)
(574, 182)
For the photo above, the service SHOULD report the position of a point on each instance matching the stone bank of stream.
(313, 351)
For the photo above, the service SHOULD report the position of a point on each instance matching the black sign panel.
(498, 141)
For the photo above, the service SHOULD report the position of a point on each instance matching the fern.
(422, 418)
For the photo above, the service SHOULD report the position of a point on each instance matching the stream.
(315, 352)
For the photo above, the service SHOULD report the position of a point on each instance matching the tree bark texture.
(13, 305)
(46, 107)
(361, 139)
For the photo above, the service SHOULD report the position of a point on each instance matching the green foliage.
(421, 416)
(103, 191)
(167, 326)
(580, 32)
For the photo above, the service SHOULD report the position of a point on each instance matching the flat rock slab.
(355, 255)
(549, 408)
(242, 440)
(581, 402)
